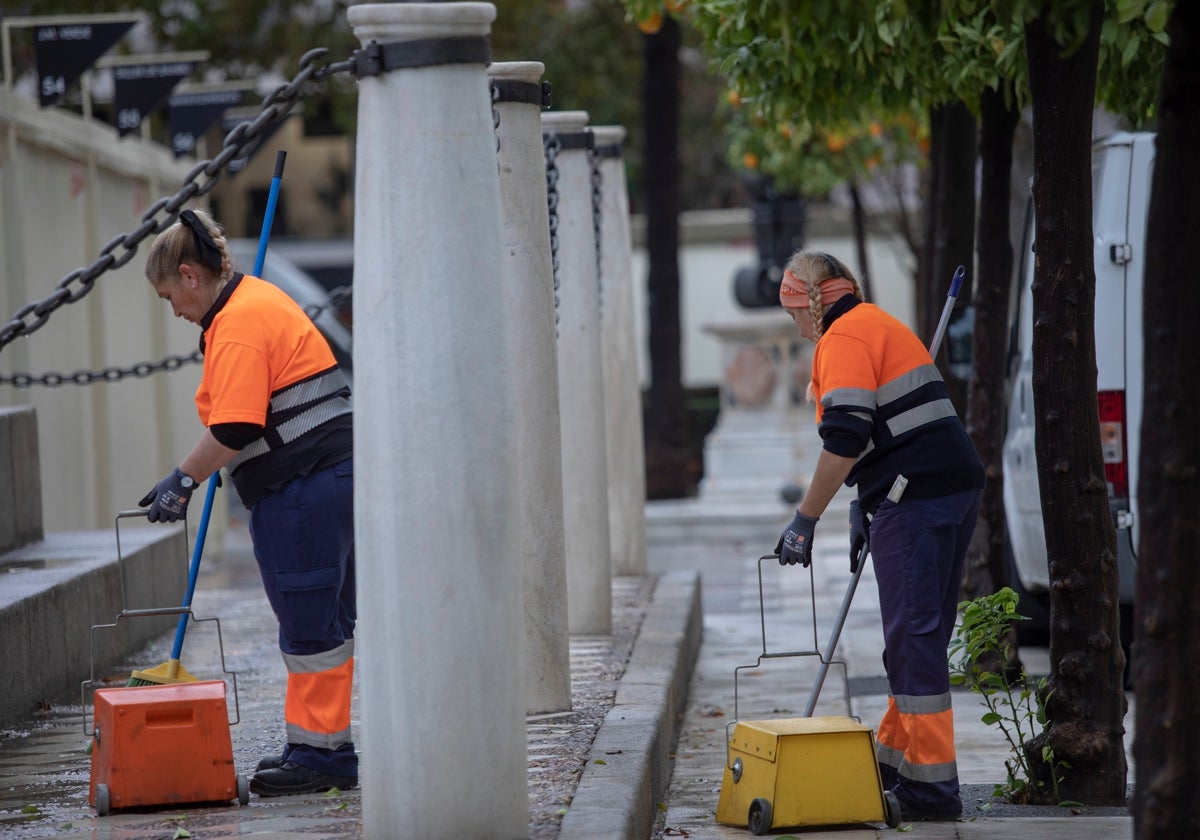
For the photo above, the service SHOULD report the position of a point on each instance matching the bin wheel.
(891, 809)
(243, 787)
(759, 819)
(102, 800)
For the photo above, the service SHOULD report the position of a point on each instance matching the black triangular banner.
(64, 51)
(189, 115)
(140, 88)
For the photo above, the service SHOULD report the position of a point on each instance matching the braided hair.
(197, 239)
(813, 268)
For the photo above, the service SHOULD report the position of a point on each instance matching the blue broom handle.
(269, 216)
(198, 548)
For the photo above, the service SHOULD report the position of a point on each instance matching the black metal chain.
(597, 214)
(495, 88)
(552, 146)
(143, 369)
(108, 374)
(335, 299)
(75, 286)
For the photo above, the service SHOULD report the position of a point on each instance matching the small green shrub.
(978, 654)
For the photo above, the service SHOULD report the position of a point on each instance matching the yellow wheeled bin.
(805, 771)
(796, 772)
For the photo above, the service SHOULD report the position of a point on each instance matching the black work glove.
(860, 537)
(169, 499)
(795, 544)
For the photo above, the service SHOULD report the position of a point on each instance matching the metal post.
(581, 385)
(527, 302)
(440, 630)
(625, 449)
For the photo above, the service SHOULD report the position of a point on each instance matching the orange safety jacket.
(266, 364)
(881, 400)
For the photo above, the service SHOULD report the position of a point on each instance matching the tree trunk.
(859, 218)
(986, 567)
(1166, 748)
(1086, 705)
(949, 222)
(666, 411)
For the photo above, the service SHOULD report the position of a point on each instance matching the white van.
(1121, 170)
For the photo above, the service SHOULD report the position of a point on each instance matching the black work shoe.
(908, 813)
(290, 778)
(270, 762)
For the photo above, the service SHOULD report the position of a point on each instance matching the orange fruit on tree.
(750, 160)
(651, 23)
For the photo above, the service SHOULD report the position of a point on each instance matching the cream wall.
(69, 188)
(714, 245)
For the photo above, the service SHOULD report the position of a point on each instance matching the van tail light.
(1112, 442)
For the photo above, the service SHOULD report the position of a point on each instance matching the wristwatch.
(185, 480)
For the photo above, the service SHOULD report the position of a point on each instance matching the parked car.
(302, 288)
(1121, 169)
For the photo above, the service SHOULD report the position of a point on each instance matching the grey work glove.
(860, 537)
(169, 499)
(795, 544)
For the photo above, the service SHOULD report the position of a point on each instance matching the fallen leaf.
(599, 761)
(181, 834)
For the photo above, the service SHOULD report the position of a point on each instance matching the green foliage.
(1133, 48)
(803, 71)
(978, 652)
(593, 54)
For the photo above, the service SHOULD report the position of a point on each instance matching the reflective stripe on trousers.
(304, 543)
(918, 547)
(317, 709)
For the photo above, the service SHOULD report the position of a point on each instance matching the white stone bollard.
(625, 447)
(442, 702)
(527, 281)
(580, 383)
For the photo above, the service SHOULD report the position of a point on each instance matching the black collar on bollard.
(375, 59)
(608, 150)
(573, 139)
(530, 93)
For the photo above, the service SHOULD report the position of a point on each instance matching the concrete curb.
(629, 768)
(56, 589)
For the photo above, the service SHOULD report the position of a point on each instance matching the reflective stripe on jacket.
(882, 400)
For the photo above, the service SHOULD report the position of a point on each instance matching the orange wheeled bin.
(163, 745)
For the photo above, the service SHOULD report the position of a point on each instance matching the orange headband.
(793, 294)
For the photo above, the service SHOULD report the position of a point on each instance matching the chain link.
(76, 285)
(108, 374)
(495, 111)
(552, 146)
(143, 369)
(335, 299)
(597, 215)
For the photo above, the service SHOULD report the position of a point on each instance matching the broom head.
(168, 673)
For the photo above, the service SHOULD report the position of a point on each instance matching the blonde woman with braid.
(883, 413)
(277, 414)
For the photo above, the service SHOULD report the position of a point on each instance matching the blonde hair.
(177, 245)
(812, 268)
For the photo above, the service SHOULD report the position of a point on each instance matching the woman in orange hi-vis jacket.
(277, 414)
(885, 419)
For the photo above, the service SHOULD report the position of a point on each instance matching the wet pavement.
(45, 767)
(735, 620)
